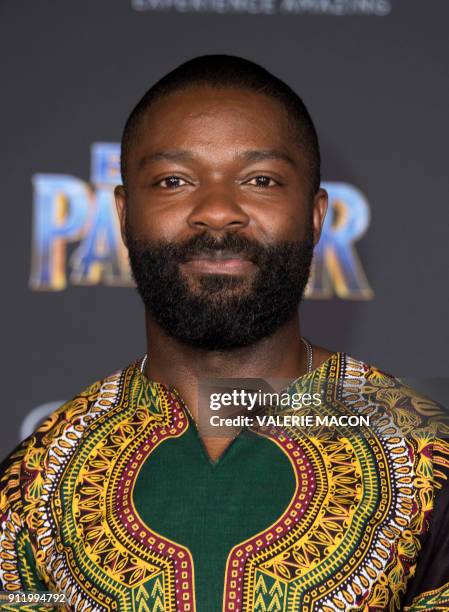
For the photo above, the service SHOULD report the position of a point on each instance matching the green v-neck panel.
(210, 507)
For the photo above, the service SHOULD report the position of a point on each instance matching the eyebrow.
(175, 155)
(263, 154)
(254, 155)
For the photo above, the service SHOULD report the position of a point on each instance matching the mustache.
(206, 244)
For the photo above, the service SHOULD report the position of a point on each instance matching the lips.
(216, 255)
(218, 262)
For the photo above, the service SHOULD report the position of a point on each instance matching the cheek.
(282, 223)
(152, 223)
(298, 218)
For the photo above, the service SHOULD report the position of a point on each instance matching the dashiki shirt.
(114, 502)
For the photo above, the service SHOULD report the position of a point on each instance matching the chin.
(219, 284)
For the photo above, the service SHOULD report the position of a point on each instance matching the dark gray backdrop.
(377, 87)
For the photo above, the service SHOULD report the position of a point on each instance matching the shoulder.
(58, 434)
(385, 390)
(396, 409)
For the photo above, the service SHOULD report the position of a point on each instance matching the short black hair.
(228, 71)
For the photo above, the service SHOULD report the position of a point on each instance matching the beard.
(220, 311)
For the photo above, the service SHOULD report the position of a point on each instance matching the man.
(119, 502)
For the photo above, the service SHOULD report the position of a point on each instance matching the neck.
(281, 355)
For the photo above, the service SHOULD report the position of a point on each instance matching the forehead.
(228, 116)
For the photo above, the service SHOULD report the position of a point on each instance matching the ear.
(320, 203)
(121, 205)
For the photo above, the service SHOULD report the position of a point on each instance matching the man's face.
(217, 216)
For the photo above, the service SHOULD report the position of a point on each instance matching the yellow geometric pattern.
(349, 540)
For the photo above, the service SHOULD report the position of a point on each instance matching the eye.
(171, 182)
(262, 181)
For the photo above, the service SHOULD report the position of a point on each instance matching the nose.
(217, 210)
